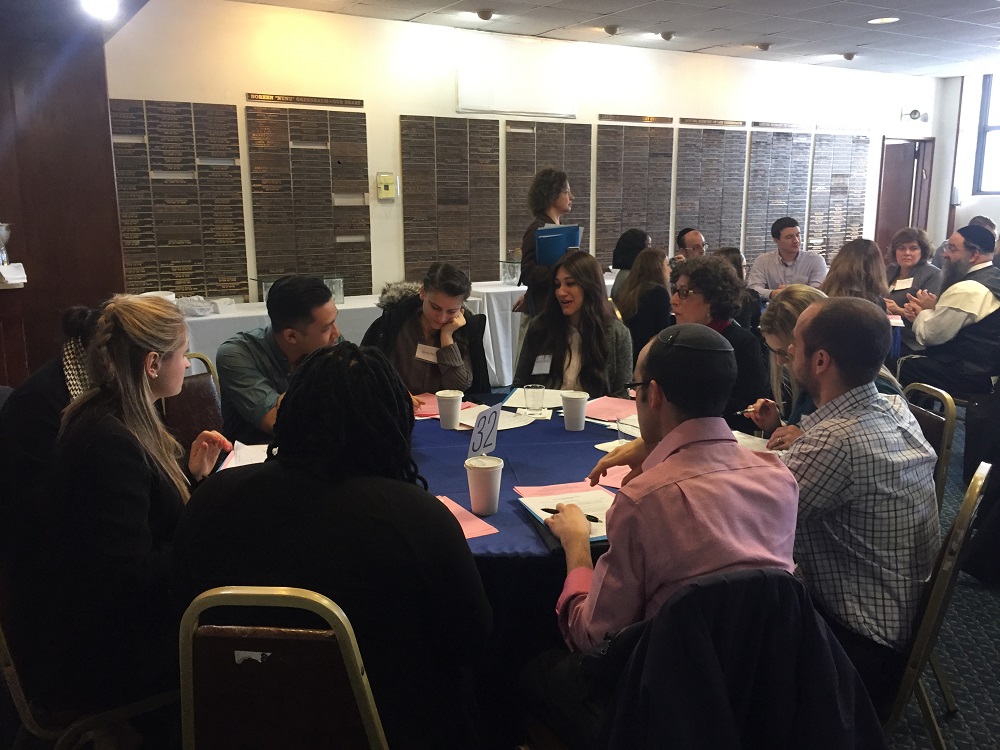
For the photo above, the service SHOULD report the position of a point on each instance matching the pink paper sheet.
(429, 407)
(557, 489)
(615, 476)
(609, 409)
(472, 525)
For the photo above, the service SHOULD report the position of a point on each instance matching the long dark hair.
(347, 413)
(549, 334)
(647, 272)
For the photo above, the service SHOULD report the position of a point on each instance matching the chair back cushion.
(266, 687)
(197, 407)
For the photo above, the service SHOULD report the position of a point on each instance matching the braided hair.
(347, 413)
(130, 327)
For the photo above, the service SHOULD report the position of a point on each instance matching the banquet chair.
(197, 407)
(937, 598)
(938, 429)
(65, 730)
(266, 686)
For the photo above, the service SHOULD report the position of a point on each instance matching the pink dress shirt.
(702, 505)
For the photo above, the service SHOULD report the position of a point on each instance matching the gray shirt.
(253, 373)
(769, 272)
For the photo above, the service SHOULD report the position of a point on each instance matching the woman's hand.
(632, 454)
(454, 324)
(417, 403)
(783, 437)
(892, 308)
(205, 452)
(764, 413)
(518, 305)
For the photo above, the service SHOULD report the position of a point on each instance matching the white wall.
(217, 51)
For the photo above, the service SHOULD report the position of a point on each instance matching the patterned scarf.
(74, 363)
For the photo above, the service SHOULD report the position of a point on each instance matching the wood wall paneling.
(837, 196)
(778, 185)
(711, 170)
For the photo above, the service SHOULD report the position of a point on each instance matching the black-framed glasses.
(631, 388)
(779, 353)
(684, 292)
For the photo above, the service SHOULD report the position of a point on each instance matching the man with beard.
(960, 329)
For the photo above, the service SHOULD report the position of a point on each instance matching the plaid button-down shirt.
(868, 530)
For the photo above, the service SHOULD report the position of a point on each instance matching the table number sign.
(484, 431)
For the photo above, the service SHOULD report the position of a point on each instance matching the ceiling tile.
(990, 17)
(773, 7)
(373, 11)
(721, 18)
(660, 11)
(598, 7)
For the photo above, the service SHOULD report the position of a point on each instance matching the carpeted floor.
(968, 647)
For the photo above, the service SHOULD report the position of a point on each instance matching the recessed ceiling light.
(102, 9)
(887, 19)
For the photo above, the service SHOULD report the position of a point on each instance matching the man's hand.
(773, 292)
(923, 300)
(783, 437)
(910, 311)
(417, 403)
(572, 529)
(765, 414)
(632, 454)
(205, 452)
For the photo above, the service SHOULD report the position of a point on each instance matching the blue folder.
(551, 243)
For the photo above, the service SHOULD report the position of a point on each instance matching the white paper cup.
(534, 396)
(449, 406)
(484, 483)
(574, 409)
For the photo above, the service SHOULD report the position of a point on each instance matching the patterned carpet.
(969, 649)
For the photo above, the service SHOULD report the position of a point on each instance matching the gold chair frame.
(940, 589)
(948, 417)
(284, 597)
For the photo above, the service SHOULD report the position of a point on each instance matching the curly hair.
(908, 235)
(647, 272)
(715, 278)
(857, 271)
(549, 332)
(545, 189)
(347, 413)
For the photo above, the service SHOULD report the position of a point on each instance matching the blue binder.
(551, 243)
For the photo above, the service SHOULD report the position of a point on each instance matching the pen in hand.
(748, 410)
(592, 519)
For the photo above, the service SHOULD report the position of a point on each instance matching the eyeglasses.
(703, 247)
(631, 388)
(779, 353)
(682, 292)
(914, 248)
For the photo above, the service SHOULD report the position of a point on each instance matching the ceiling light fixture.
(880, 21)
(105, 10)
(485, 14)
(666, 35)
(848, 56)
(763, 46)
(611, 30)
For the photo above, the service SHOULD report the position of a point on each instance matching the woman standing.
(706, 291)
(577, 342)
(549, 199)
(911, 272)
(103, 628)
(645, 300)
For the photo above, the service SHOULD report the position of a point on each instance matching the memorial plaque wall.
(711, 169)
(633, 184)
(308, 181)
(532, 146)
(779, 185)
(837, 196)
(451, 194)
(180, 200)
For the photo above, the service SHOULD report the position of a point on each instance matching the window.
(987, 174)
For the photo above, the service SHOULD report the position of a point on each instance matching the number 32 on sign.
(484, 431)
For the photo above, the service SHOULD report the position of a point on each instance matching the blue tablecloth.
(542, 452)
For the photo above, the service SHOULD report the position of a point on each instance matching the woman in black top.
(645, 300)
(549, 199)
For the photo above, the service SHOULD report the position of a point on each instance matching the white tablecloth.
(502, 326)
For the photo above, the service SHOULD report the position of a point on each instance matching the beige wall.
(217, 51)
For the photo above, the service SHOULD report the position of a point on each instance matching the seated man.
(342, 510)
(786, 264)
(960, 330)
(430, 338)
(254, 366)
(868, 530)
(703, 504)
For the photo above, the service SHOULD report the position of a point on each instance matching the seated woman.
(777, 324)
(857, 271)
(644, 300)
(577, 342)
(748, 315)
(341, 509)
(706, 291)
(429, 336)
(94, 599)
(627, 249)
(908, 274)
(29, 425)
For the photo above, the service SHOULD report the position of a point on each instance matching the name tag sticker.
(427, 353)
(543, 364)
(902, 284)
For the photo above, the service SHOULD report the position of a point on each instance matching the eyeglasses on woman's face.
(779, 353)
(684, 292)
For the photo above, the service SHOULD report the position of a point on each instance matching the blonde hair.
(779, 319)
(129, 329)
